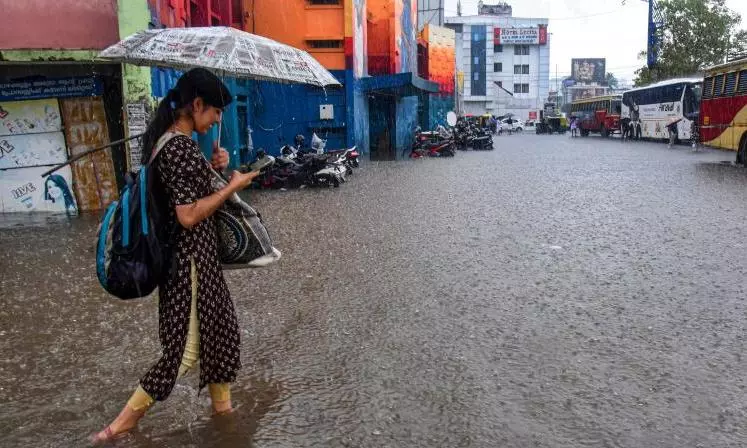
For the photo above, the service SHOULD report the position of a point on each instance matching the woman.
(196, 317)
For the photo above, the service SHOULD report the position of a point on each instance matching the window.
(477, 60)
(525, 69)
(521, 50)
(517, 88)
(324, 2)
(324, 44)
(498, 49)
(476, 76)
(497, 66)
(742, 87)
(521, 88)
(517, 69)
(718, 86)
(708, 87)
(731, 84)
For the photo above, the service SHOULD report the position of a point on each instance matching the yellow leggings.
(141, 401)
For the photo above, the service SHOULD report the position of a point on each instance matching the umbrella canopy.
(226, 50)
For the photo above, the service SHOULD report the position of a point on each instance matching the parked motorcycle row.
(298, 166)
(443, 142)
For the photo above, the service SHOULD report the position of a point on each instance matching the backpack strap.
(165, 138)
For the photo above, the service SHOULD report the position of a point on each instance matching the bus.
(651, 108)
(723, 111)
(598, 114)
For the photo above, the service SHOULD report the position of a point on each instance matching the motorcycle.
(438, 143)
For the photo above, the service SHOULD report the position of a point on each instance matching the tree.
(697, 34)
(611, 80)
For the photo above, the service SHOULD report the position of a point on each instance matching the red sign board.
(533, 115)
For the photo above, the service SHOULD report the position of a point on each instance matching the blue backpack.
(133, 244)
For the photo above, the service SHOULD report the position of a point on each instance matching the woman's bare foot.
(125, 421)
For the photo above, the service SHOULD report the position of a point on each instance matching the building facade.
(505, 61)
(56, 102)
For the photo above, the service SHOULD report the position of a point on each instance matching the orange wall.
(294, 22)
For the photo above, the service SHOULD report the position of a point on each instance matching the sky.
(590, 29)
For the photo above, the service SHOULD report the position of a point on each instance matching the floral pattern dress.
(183, 175)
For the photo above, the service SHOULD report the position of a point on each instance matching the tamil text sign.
(50, 88)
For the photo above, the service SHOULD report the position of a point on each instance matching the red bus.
(600, 114)
(723, 110)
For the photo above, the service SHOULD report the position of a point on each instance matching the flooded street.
(555, 292)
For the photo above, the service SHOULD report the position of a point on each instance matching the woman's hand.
(220, 158)
(239, 180)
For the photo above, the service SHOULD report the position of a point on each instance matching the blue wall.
(438, 107)
(275, 113)
(407, 120)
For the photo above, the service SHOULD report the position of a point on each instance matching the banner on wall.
(30, 117)
(520, 36)
(22, 190)
(32, 150)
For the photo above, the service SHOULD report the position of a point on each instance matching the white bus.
(657, 104)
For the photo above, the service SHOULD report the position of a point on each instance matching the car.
(512, 125)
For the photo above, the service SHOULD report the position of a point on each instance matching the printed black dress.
(184, 178)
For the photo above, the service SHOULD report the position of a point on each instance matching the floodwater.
(555, 292)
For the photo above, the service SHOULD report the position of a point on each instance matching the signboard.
(520, 36)
(533, 115)
(32, 150)
(22, 190)
(51, 88)
(29, 117)
(588, 70)
(580, 93)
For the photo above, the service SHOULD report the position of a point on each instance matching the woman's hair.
(196, 83)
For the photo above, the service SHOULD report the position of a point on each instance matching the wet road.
(550, 293)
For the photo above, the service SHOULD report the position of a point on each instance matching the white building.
(505, 61)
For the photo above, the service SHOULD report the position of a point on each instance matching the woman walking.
(196, 317)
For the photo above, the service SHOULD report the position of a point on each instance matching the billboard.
(588, 70)
(580, 93)
(520, 36)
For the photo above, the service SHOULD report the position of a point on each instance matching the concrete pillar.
(134, 16)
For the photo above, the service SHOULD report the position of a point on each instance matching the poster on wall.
(85, 129)
(29, 117)
(32, 150)
(588, 70)
(22, 190)
(137, 122)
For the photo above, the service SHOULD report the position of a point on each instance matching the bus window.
(691, 100)
(616, 107)
(742, 87)
(707, 87)
(718, 87)
(731, 84)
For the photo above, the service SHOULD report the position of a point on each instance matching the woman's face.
(204, 115)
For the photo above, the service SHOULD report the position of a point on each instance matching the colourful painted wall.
(59, 24)
(298, 23)
(392, 40)
(441, 68)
